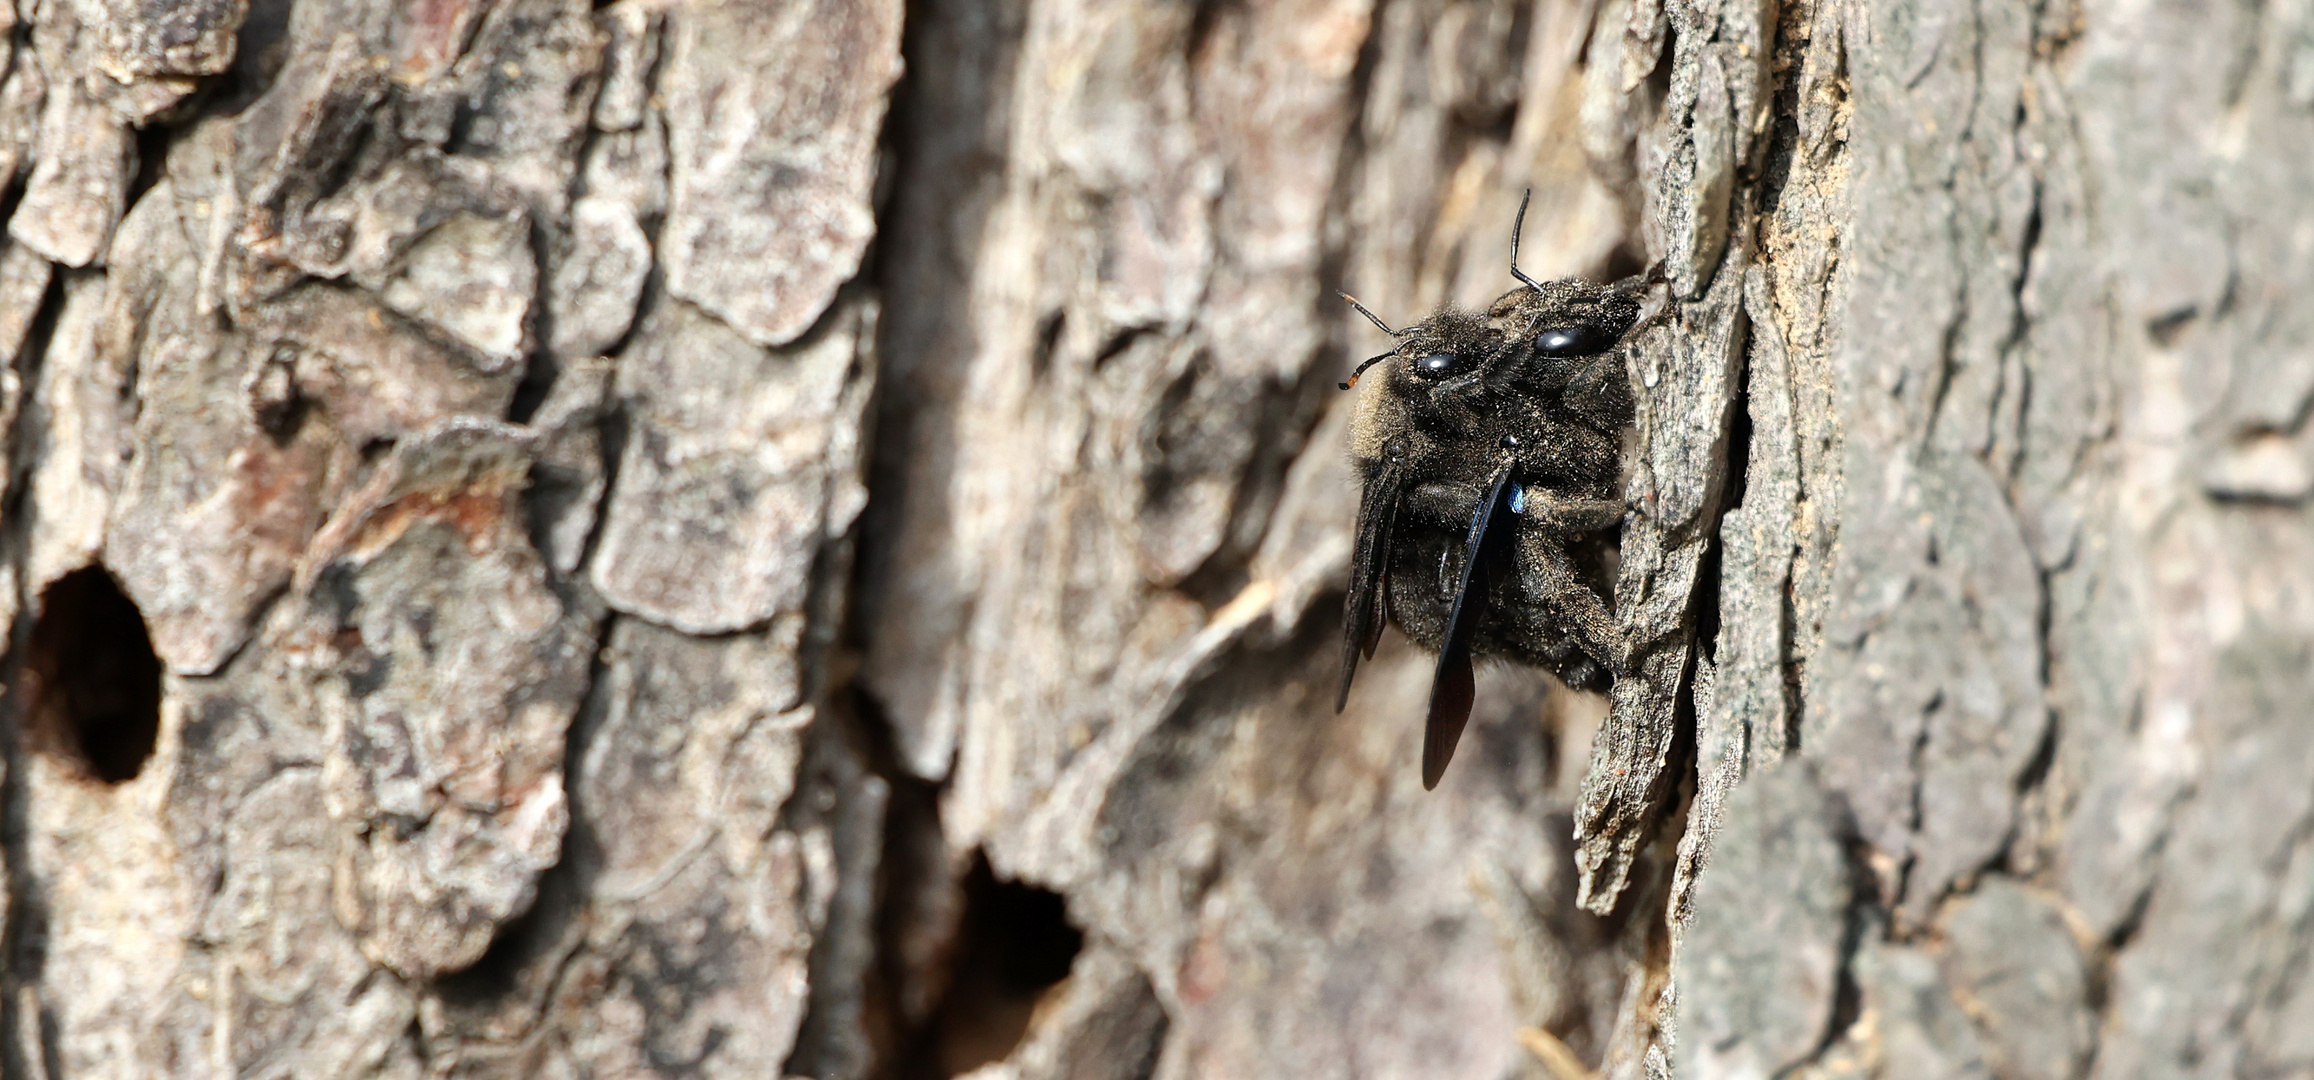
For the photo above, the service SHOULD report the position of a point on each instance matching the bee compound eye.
(1438, 365)
(1580, 340)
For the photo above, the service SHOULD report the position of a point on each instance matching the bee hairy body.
(1491, 449)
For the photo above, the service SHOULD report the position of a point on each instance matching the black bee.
(1492, 456)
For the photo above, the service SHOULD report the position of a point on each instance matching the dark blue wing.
(1363, 608)
(1453, 687)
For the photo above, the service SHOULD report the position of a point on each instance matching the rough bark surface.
(714, 538)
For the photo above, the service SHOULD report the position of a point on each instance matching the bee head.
(1542, 321)
(1446, 345)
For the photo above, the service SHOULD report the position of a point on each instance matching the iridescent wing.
(1363, 608)
(1453, 686)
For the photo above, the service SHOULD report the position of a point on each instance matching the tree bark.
(695, 537)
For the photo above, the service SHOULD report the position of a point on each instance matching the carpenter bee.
(1491, 448)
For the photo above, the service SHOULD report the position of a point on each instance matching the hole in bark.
(2166, 328)
(152, 153)
(96, 698)
(1015, 943)
(261, 49)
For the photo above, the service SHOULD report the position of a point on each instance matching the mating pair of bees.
(1491, 447)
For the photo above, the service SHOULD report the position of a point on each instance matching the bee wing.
(1453, 687)
(1362, 610)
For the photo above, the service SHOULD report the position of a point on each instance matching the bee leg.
(1548, 574)
(1448, 506)
(1569, 515)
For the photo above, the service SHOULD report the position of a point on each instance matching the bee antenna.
(1371, 317)
(1370, 363)
(1517, 224)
